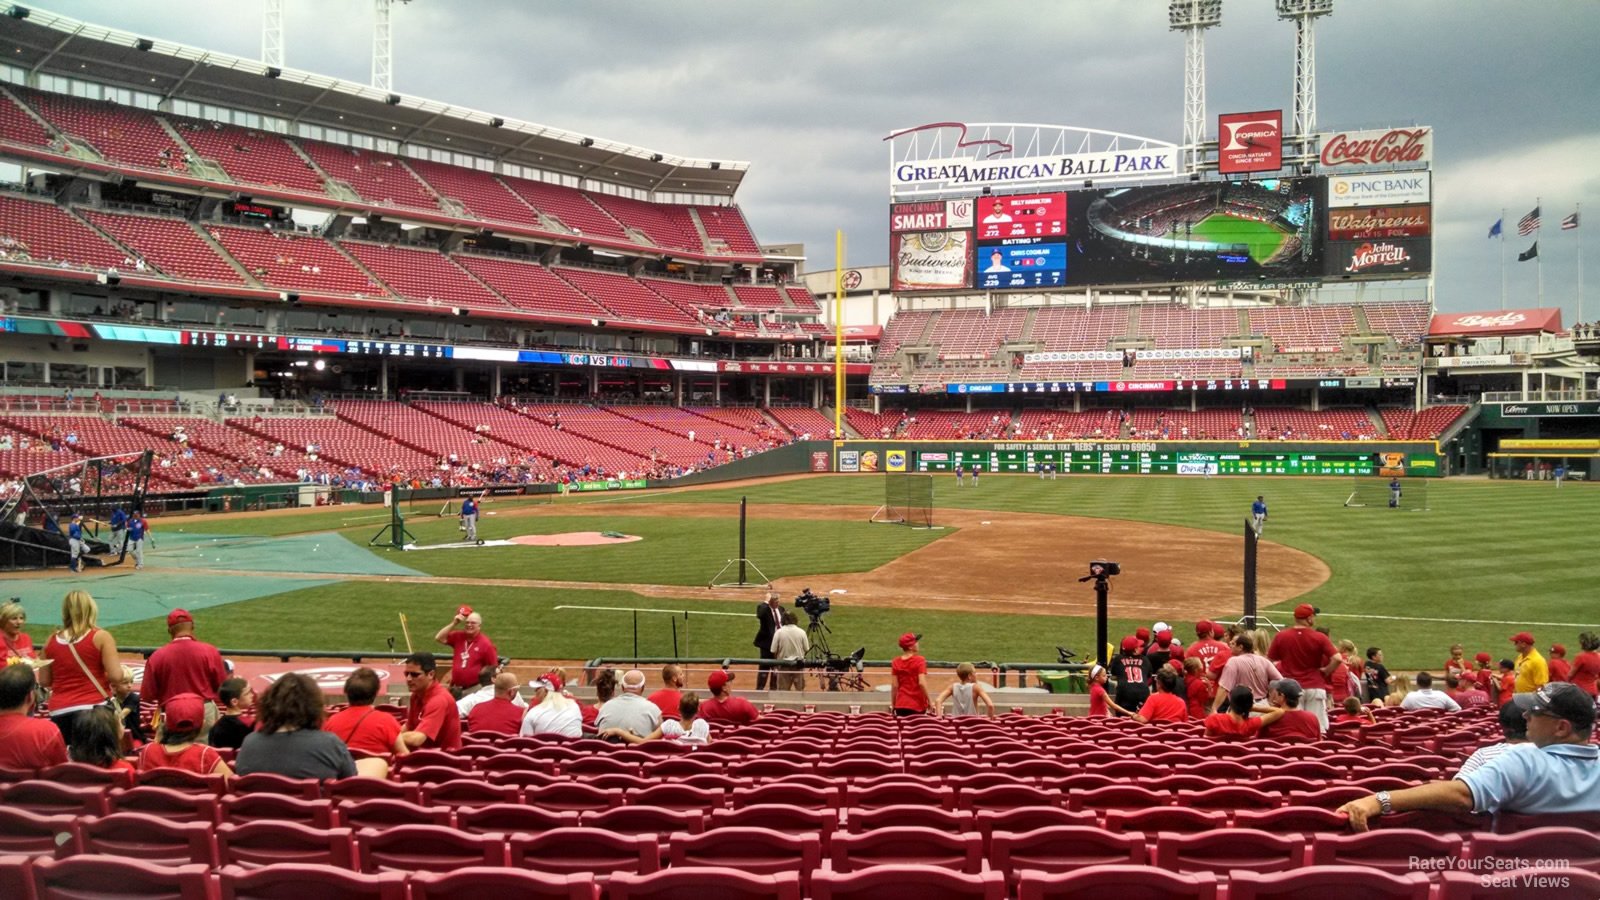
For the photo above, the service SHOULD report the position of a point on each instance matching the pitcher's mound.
(572, 539)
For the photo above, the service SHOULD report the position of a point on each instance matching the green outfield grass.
(1488, 559)
(1264, 239)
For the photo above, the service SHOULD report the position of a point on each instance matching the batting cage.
(1395, 493)
(33, 521)
(907, 500)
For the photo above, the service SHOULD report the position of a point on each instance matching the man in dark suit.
(770, 615)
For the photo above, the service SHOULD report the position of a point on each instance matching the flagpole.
(1578, 215)
(1538, 261)
(1502, 225)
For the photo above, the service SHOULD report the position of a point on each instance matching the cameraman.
(770, 617)
(790, 644)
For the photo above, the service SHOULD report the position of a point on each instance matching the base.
(764, 582)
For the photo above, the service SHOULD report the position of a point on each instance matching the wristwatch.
(1384, 806)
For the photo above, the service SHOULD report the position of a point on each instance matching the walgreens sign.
(1409, 147)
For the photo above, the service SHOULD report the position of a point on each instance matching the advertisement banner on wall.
(1022, 216)
(1360, 223)
(869, 461)
(1380, 147)
(849, 460)
(1387, 189)
(1389, 256)
(931, 261)
(930, 215)
(821, 461)
(894, 461)
(1250, 142)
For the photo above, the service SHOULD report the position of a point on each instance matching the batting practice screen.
(907, 499)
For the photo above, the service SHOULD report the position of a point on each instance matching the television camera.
(814, 606)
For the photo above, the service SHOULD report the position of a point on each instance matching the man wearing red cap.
(184, 666)
(1560, 669)
(1306, 656)
(724, 708)
(1532, 671)
(910, 678)
(1213, 654)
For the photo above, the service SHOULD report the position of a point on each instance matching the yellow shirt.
(1532, 672)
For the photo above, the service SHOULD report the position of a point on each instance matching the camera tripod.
(818, 633)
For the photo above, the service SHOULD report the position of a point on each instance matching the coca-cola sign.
(1369, 222)
(1408, 147)
(1250, 142)
(1401, 257)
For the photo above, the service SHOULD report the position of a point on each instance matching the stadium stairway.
(1380, 428)
(216, 246)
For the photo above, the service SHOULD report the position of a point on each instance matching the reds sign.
(1250, 142)
(1394, 147)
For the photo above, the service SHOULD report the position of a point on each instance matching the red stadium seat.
(1511, 823)
(1165, 818)
(859, 820)
(430, 848)
(359, 788)
(1227, 849)
(676, 796)
(425, 775)
(1563, 883)
(177, 806)
(309, 882)
(1030, 818)
(381, 813)
(574, 797)
(907, 882)
(1124, 882)
(463, 792)
(477, 883)
(1062, 848)
(1328, 883)
(240, 808)
(16, 877)
(1006, 797)
(574, 850)
(787, 794)
(88, 877)
(47, 799)
(146, 838)
(1577, 847)
(31, 834)
(1121, 796)
(512, 817)
(1229, 796)
(696, 882)
(1303, 819)
(757, 850)
(778, 817)
(267, 782)
(180, 780)
(901, 793)
(85, 774)
(265, 843)
(645, 820)
(1385, 849)
(907, 845)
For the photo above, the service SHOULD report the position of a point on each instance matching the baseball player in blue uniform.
(75, 540)
(1258, 512)
(136, 531)
(469, 517)
(1394, 493)
(119, 528)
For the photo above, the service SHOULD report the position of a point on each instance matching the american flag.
(1570, 222)
(1529, 223)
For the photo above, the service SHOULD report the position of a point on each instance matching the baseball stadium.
(491, 509)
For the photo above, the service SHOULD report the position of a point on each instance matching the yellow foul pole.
(838, 334)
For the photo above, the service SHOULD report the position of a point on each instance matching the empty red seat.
(266, 843)
(309, 882)
(173, 805)
(47, 799)
(1577, 847)
(1224, 850)
(1386, 849)
(435, 774)
(756, 850)
(512, 817)
(359, 788)
(1327, 883)
(1165, 818)
(571, 850)
(381, 813)
(901, 793)
(1229, 796)
(696, 882)
(83, 773)
(787, 794)
(1122, 796)
(430, 848)
(1304, 819)
(575, 797)
(463, 792)
(908, 882)
(268, 782)
(778, 817)
(145, 837)
(907, 845)
(1124, 882)
(88, 877)
(29, 834)
(1030, 818)
(250, 807)
(181, 780)
(1062, 848)
(1562, 883)
(645, 820)
(478, 882)
(1006, 797)
(956, 821)
(676, 796)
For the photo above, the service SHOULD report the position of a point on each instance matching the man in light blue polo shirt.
(1561, 776)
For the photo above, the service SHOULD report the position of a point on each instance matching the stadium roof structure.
(42, 42)
(1504, 323)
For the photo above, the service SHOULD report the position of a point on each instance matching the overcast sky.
(805, 91)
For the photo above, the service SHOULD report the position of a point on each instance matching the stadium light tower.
(272, 34)
(1305, 14)
(1193, 17)
(383, 44)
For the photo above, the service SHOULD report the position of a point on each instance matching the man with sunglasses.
(431, 716)
(1560, 774)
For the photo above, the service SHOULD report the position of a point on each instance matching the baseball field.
(998, 580)
(1264, 239)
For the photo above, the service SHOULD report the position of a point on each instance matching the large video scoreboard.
(1146, 462)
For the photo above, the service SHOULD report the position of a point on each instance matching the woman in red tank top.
(80, 655)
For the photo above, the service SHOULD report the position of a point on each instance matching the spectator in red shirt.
(499, 714)
(1296, 726)
(431, 717)
(1457, 663)
(1213, 653)
(1586, 667)
(1465, 692)
(184, 666)
(14, 642)
(1484, 674)
(177, 744)
(1163, 705)
(1099, 703)
(1505, 683)
(1242, 720)
(470, 650)
(1306, 656)
(724, 708)
(1355, 712)
(910, 678)
(1560, 669)
(1198, 688)
(362, 727)
(98, 741)
(81, 655)
(26, 742)
(671, 692)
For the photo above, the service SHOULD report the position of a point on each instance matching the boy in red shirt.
(1507, 683)
(910, 678)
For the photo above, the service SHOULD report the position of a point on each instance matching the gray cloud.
(805, 91)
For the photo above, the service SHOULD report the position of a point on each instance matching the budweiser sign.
(1395, 147)
(1377, 255)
